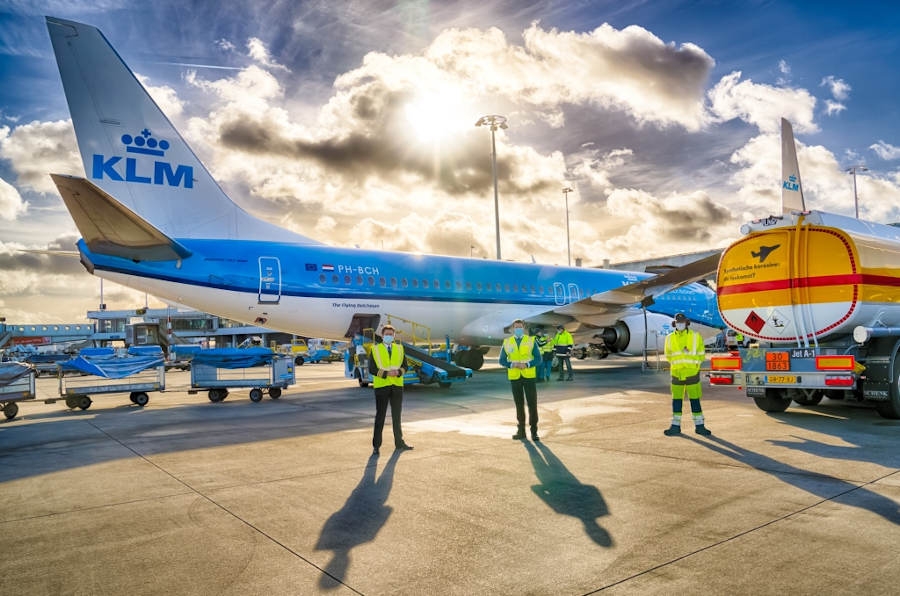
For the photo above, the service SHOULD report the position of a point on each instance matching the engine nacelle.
(627, 335)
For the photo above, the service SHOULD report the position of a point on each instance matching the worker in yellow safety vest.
(546, 345)
(563, 344)
(388, 365)
(685, 353)
(520, 356)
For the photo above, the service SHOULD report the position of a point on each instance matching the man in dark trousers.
(520, 355)
(387, 366)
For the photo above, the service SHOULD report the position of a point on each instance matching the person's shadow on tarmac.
(565, 494)
(358, 521)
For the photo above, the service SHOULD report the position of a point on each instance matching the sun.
(436, 117)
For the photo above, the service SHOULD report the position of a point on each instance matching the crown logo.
(144, 143)
(792, 178)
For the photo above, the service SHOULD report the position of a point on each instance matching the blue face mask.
(518, 332)
(388, 339)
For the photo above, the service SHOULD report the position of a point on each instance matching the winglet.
(110, 228)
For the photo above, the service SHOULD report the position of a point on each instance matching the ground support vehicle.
(16, 384)
(422, 368)
(263, 371)
(139, 372)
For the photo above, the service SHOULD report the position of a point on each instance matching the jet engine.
(627, 335)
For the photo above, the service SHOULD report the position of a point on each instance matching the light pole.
(495, 122)
(853, 170)
(566, 192)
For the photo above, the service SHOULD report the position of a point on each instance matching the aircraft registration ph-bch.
(153, 218)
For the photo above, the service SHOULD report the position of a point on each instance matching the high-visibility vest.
(685, 352)
(563, 338)
(520, 352)
(384, 362)
(548, 345)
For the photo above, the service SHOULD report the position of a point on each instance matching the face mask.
(518, 332)
(680, 326)
(388, 339)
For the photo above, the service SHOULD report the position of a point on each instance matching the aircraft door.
(574, 293)
(269, 280)
(559, 293)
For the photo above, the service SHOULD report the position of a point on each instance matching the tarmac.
(186, 496)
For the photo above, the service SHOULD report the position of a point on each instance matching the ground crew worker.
(387, 366)
(739, 339)
(563, 346)
(545, 368)
(520, 356)
(685, 353)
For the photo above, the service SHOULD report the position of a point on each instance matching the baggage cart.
(16, 384)
(77, 391)
(271, 377)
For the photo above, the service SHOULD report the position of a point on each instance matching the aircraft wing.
(605, 308)
(110, 228)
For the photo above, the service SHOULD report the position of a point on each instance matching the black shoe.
(672, 431)
(519, 436)
(702, 430)
(535, 437)
(375, 451)
(404, 447)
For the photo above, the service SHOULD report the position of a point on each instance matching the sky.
(353, 122)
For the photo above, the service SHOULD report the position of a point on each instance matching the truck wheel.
(256, 395)
(10, 410)
(774, 401)
(808, 400)
(275, 392)
(891, 407)
(475, 360)
(141, 398)
(299, 361)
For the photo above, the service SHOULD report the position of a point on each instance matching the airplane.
(763, 252)
(154, 219)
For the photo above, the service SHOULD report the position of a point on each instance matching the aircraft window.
(468, 285)
(498, 287)
(448, 285)
(415, 283)
(359, 280)
(424, 283)
(458, 285)
(488, 287)
(532, 290)
(382, 282)
(346, 280)
(321, 278)
(393, 282)
(541, 289)
(404, 282)
(371, 281)
(335, 279)
(437, 285)
(524, 289)
(478, 286)
(505, 287)
(515, 287)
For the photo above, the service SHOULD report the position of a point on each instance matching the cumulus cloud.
(165, 97)
(762, 105)
(838, 88)
(833, 107)
(39, 148)
(885, 151)
(258, 51)
(11, 203)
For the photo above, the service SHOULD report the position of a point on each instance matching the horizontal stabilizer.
(659, 284)
(110, 228)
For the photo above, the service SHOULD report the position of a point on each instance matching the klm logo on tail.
(143, 144)
(790, 183)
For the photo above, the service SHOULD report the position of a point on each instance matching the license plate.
(782, 379)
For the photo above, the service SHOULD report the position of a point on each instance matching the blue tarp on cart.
(234, 357)
(10, 371)
(104, 362)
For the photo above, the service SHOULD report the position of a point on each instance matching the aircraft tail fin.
(110, 228)
(131, 150)
(791, 187)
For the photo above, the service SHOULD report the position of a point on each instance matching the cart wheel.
(140, 398)
(72, 402)
(84, 402)
(275, 392)
(10, 410)
(299, 361)
(256, 394)
(131, 397)
(214, 395)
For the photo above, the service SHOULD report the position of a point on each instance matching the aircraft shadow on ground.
(566, 495)
(821, 485)
(358, 521)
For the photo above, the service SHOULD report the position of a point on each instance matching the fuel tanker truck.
(818, 294)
